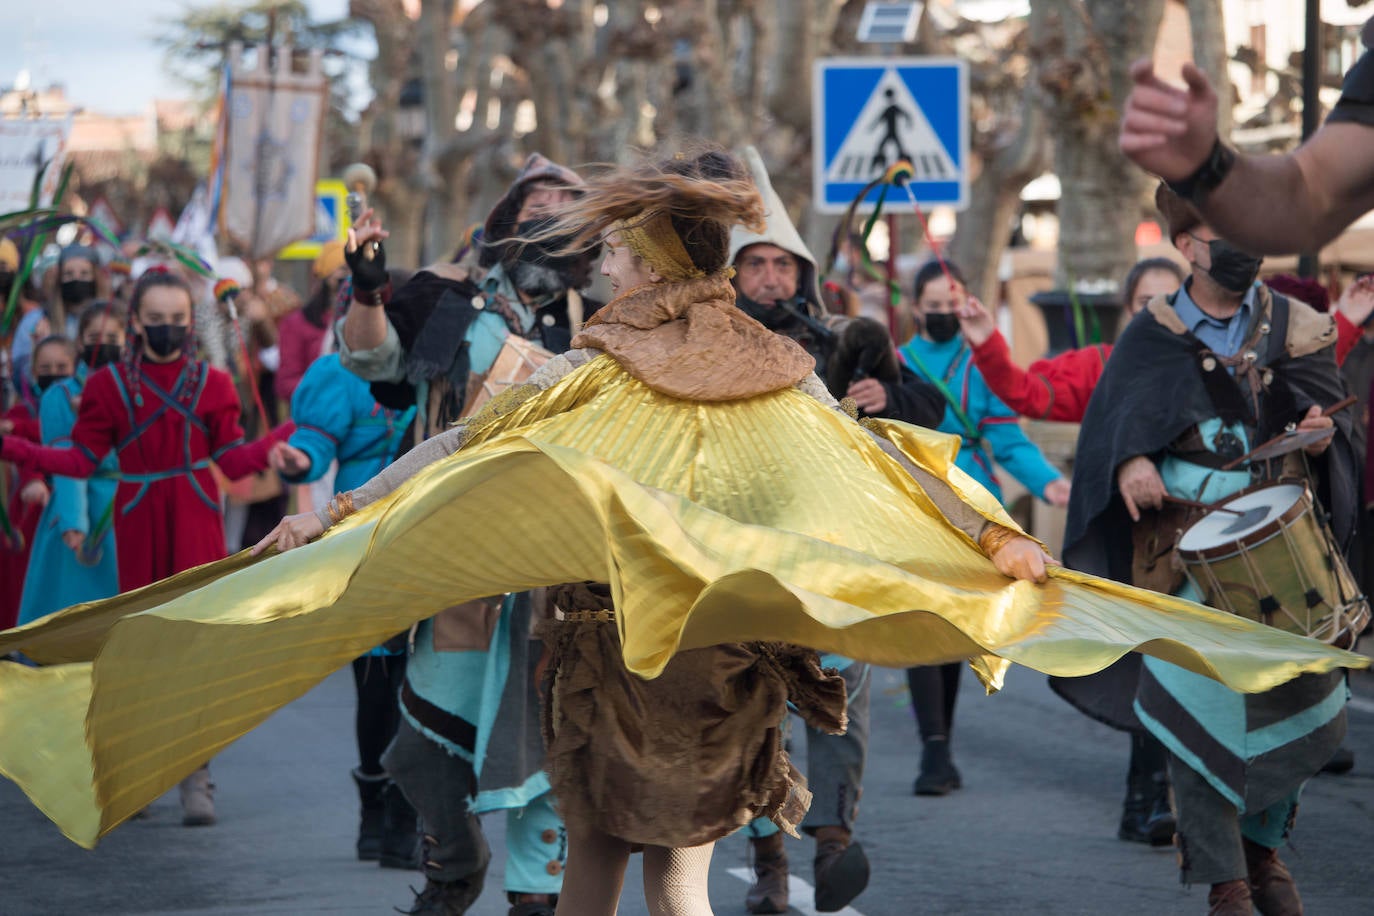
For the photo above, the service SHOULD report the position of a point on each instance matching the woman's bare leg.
(675, 880)
(594, 875)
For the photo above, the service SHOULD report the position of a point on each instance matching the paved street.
(1032, 832)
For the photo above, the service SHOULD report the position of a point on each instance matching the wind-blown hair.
(703, 195)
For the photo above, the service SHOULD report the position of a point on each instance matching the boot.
(1230, 898)
(198, 799)
(938, 775)
(1341, 762)
(400, 839)
(841, 869)
(768, 893)
(1271, 885)
(1160, 823)
(532, 904)
(1145, 814)
(370, 791)
(444, 898)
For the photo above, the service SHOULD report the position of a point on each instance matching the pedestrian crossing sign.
(331, 222)
(870, 112)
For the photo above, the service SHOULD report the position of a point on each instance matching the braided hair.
(155, 277)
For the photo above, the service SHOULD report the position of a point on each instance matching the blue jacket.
(55, 578)
(338, 419)
(994, 424)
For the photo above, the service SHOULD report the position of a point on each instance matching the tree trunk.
(1088, 83)
(1207, 22)
(995, 195)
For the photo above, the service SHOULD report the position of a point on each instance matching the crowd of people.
(717, 381)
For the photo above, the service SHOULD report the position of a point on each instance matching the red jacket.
(165, 433)
(1059, 388)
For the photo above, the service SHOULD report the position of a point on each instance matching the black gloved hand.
(369, 273)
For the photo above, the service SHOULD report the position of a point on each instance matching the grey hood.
(779, 232)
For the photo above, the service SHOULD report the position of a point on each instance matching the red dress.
(166, 430)
(14, 563)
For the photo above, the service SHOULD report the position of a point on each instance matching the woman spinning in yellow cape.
(687, 459)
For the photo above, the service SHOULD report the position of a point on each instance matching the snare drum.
(1276, 563)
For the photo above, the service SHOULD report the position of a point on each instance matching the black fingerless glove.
(369, 274)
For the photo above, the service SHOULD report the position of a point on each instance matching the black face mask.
(46, 381)
(75, 292)
(1232, 269)
(771, 315)
(540, 268)
(97, 355)
(941, 326)
(165, 339)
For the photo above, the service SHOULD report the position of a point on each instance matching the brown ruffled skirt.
(688, 757)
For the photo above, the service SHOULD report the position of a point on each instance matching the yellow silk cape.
(768, 518)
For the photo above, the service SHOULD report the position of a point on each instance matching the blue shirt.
(994, 422)
(1222, 335)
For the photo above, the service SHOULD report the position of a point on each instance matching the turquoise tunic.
(56, 579)
(994, 427)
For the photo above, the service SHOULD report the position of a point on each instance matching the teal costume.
(987, 426)
(56, 578)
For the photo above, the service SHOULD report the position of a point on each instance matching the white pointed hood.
(780, 231)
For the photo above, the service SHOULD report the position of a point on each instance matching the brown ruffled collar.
(688, 340)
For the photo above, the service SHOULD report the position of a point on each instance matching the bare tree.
(1086, 78)
(1011, 141)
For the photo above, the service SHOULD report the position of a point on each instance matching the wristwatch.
(1207, 176)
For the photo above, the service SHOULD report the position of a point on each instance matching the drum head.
(1261, 507)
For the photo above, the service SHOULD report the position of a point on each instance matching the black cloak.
(1153, 389)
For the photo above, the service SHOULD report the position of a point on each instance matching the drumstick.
(1203, 506)
(1342, 404)
(1335, 408)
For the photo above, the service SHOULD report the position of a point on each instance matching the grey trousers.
(439, 785)
(835, 763)
(1211, 832)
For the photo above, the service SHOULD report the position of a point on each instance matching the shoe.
(1160, 824)
(444, 898)
(400, 837)
(938, 775)
(1145, 814)
(532, 908)
(768, 893)
(1341, 762)
(370, 824)
(1230, 898)
(1271, 884)
(198, 799)
(841, 870)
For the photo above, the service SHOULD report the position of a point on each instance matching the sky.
(102, 50)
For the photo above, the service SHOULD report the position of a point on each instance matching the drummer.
(1203, 377)
(428, 344)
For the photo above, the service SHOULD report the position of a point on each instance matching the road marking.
(1363, 705)
(803, 895)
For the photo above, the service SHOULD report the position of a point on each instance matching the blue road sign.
(869, 112)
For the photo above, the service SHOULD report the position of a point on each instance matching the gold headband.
(653, 239)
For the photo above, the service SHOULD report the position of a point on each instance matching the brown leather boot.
(1230, 898)
(1271, 885)
(841, 869)
(768, 893)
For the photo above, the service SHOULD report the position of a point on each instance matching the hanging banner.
(273, 119)
(25, 145)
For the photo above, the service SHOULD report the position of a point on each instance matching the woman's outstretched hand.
(1023, 558)
(292, 531)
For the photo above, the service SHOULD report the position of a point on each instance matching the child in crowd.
(166, 415)
(73, 557)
